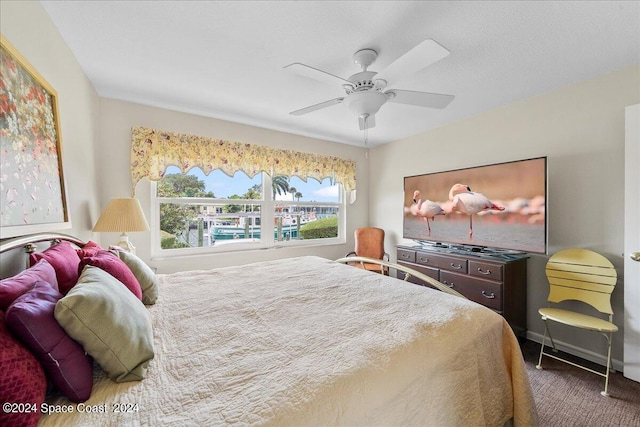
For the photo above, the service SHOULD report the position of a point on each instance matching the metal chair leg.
(606, 377)
(610, 363)
(544, 338)
(553, 344)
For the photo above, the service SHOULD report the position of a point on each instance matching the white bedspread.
(307, 341)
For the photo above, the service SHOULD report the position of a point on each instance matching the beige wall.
(28, 27)
(116, 120)
(579, 128)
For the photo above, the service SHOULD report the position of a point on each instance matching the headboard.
(12, 261)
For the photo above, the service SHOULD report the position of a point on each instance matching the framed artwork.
(32, 190)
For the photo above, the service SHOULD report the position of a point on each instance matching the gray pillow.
(145, 275)
(110, 323)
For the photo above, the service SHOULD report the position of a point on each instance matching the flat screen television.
(493, 207)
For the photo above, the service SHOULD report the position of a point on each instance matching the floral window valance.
(152, 151)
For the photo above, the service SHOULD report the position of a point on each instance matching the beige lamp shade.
(122, 215)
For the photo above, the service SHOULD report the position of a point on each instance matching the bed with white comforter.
(311, 342)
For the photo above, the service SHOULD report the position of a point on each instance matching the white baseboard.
(577, 351)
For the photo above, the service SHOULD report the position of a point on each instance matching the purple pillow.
(64, 260)
(12, 287)
(113, 265)
(32, 321)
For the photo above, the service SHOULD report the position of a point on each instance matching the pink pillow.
(64, 260)
(22, 379)
(12, 287)
(90, 249)
(116, 267)
(31, 319)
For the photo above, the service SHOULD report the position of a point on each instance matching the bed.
(310, 341)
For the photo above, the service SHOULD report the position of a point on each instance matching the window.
(196, 213)
(306, 210)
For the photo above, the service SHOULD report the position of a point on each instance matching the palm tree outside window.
(280, 185)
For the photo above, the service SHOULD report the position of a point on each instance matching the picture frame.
(33, 196)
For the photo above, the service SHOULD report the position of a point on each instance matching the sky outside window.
(224, 186)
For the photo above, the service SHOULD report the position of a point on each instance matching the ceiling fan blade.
(426, 53)
(315, 74)
(315, 107)
(370, 122)
(421, 99)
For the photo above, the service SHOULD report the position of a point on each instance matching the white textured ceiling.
(225, 59)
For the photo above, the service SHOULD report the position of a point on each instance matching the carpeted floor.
(568, 396)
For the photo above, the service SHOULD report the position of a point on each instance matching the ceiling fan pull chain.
(366, 128)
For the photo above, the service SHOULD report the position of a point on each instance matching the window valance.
(152, 151)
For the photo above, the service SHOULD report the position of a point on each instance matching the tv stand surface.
(496, 279)
(481, 251)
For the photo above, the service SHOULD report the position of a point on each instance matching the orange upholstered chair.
(370, 244)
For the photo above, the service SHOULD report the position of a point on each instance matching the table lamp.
(121, 215)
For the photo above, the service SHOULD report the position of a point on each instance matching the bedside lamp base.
(125, 244)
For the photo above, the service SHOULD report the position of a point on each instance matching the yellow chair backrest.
(582, 275)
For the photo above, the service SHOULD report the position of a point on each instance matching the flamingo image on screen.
(425, 209)
(501, 206)
(468, 202)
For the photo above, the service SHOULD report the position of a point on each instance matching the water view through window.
(204, 211)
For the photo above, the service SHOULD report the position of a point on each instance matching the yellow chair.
(369, 243)
(582, 275)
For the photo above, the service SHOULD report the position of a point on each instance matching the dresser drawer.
(487, 270)
(497, 282)
(406, 255)
(427, 271)
(443, 262)
(482, 291)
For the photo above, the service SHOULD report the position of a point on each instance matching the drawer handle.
(457, 267)
(492, 296)
(423, 259)
(451, 285)
(488, 272)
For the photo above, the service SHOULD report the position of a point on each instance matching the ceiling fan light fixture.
(369, 102)
(364, 90)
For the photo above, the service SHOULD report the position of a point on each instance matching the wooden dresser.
(495, 280)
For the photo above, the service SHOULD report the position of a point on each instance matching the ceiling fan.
(365, 91)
